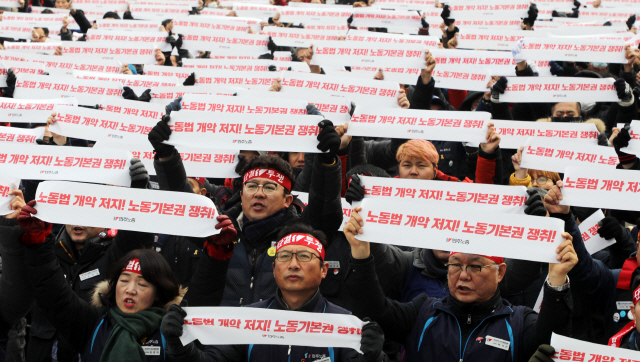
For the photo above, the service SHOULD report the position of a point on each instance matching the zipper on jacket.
(251, 284)
(289, 352)
(240, 303)
(469, 319)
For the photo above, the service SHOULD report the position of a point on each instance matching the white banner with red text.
(470, 196)
(7, 184)
(243, 104)
(400, 222)
(551, 155)
(159, 39)
(164, 95)
(260, 11)
(414, 123)
(315, 16)
(87, 92)
(152, 211)
(242, 65)
(31, 110)
(514, 134)
(296, 37)
(589, 232)
(20, 135)
(126, 52)
(372, 18)
(151, 111)
(467, 77)
(130, 25)
(346, 53)
(574, 50)
(559, 89)
(497, 63)
(226, 42)
(228, 325)
(19, 68)
(33, 162)
(253, 80)
(590, 187)
(634, 142)
(274, 132)
(568, 349)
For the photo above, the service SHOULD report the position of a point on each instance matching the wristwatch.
(561, 288)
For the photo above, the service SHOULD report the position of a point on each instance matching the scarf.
(128, 329)
(255, 230)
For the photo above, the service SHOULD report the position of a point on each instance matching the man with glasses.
(473, 323)
(298, 269)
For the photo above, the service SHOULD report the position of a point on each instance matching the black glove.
(350, 19)
(191, 79)
(543, 354)
(160, 133)
(446, 12)
(631, 21)
(607, 23)
(532, 15)
(11, 78)
(272, 68)
(424, 23)
(624, 92)
(355, 191)
(622, 139)
(535, 206)
(555, 69)
(497, 89)
(171, 328)
(138, 173)
(610, 228)
(145, 96)
(173, 106)
(271, 45)
(576, 3)
(179, 41)
(129, 94)
(328, 140)
(171, 40)
(371, 342)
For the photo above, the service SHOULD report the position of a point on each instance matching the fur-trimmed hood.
(103, 287)
(597, 121)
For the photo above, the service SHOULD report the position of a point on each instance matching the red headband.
(271, 174)
(301, 239)
(199, 180)
(133, 266)
(496, 259)
(636, 296)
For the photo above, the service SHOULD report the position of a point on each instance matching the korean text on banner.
(151, 111)
(369, 92)
(471, 196)
(228, 325)
(590, 351)
(346, 53)
(198, 162)
(31, 110)
(634, 142)
(286, 133)
(32, 162)
(87, 92)
(589, 232)
(242, 104)
(514, 134)
(413, 123)
(20, 135)
(466, 77)
(551, 155)
(7, 184)
(591, 187)
(574, 49)
(559, 89)
(99, 125)
(166, 212)
(296, 37)
(346, 207)
(400, 222)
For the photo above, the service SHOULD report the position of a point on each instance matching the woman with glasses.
(529, 177)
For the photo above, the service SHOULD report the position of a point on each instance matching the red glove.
(220, 246)
(35, 230)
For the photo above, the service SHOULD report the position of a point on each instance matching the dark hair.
(111, 14)
(274, 162)
(155, 270)
(47, 11)
(635, 283)
(45, 30)
(302, 228)
(365, 169)
(553, 105)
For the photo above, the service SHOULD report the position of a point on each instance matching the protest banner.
(466, 77)
(414, 123)
(227, 3)
(471, 196)
(64, 65)
(574, 50)
(593, 187)
(31, 110)
(32, 48)
(318, 16)
(497, 63)
(514, 134)
(380, 93)
(138, 83)
(125, 52)
(162, 71)
(242, 104)
(242, 65)
(285, 133)
(164, 95)
(634, 142)
(261, 11)
(559, 89)
(18, 68)
(151, 12)
(87, 92)
(159, 39)
(198, 162)
(151, 111)
(20, 135)
(589, 232)
(573, 348)
(551, 155)
(33, 162)
(372, 18)
(492, 39)
(345, 53)
(7, 184)
(257, 80)
(195, 24)
(130, 25)
(390, 73)
(400, 222)
(296, 37)
(373, 37)
(405, 4)
(228, 325)
(154, 211)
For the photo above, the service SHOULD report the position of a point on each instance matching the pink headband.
(271, 174)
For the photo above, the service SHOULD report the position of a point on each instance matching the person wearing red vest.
(628, 336)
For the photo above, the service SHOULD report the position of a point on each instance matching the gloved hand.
(576, 3)
(271, 45)
(355, 191)
(129, 94)
(328, 140)
(35, 230)
(220, 246)
(622, 139)
(191, 79)
(610, 228)
(171, 328)
(446, 12)
(532, 15)
(631, 21)
(145, 96)
(424, 23)
(624, 92)
(516, 51)
(11, 78)
(173, 106)
(535, 206)
(497, 89)
(543, 354)
(179, 41)
(160, 133)
(371, 342)
(171, 40)
(350, 19)
(138, 173)
(555, 69)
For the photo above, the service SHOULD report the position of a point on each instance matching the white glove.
(517, 50)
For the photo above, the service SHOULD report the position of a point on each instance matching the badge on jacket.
(497, 342)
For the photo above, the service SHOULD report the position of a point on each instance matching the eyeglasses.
(470, 269)
(542, 180)
(302, 256)
(252, 187)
